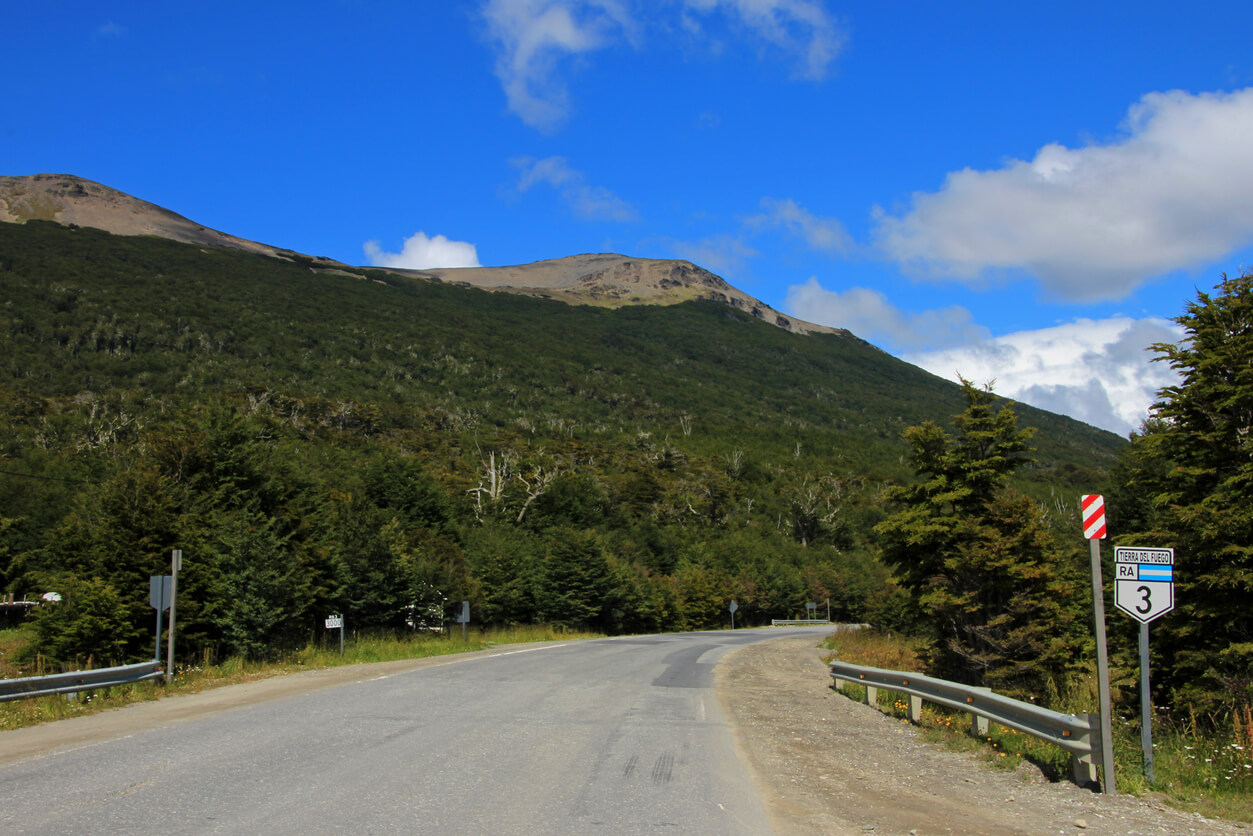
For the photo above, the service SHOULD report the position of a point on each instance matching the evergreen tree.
(1204, 501)
(989, 583)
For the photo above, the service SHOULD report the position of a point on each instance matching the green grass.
(194, 677)
(1200, 768)
(12, 640)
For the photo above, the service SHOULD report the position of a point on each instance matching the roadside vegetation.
(1198, 766)
(362, 443)
(205, 674)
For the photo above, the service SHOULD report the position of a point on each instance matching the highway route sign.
(1144, 582)
(335, 622)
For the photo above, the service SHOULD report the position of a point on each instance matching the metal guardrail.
(69, 683)
(784, 622)
(1079, 734)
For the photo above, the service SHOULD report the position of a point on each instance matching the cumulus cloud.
(590, 203)
(870, 315)
(537, 41)
(1096, 221)
(533, 37)
(826, 234)
(422, 253)
(1098, 371)
(802, 29)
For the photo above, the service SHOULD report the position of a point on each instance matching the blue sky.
(1012, 193)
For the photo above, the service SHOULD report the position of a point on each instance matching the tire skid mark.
(663, 769)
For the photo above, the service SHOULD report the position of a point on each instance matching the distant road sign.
(334, 622)
(1093, 510)
(1144, 582)
(159, 591)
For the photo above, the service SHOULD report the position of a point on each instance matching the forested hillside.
(323, 440)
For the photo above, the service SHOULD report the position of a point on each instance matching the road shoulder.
(827, 765)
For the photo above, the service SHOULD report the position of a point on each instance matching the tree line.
(1005, 603)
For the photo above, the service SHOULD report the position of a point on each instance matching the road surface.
(617, 736)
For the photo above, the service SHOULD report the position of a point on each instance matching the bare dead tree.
(538, 482)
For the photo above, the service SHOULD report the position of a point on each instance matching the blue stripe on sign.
(1156, 573)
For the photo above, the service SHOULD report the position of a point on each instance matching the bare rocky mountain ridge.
(605, 280)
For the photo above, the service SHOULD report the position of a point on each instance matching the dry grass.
(860, 646)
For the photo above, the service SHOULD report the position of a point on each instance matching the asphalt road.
(610, 736)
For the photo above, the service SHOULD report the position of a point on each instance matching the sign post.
(734, 606)
(1092, 507)
(176, 563)
(159, 587)
(1144, 588)
(336, 622)
(463, 618)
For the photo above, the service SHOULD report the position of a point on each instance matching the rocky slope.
(602, 279)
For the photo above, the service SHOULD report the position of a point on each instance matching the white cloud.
(536, 41)
(423, 253)
(591, 203)
(1098, 371)
(110, 30)
(724, 255)
(870, 315)
(533, 36)
(826, 234)
(801, 28)
(1096, 221)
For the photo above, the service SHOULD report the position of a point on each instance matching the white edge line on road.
(508, 653)
(55, 752)
(527, 650)
(470, 659)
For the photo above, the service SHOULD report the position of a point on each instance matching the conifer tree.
(989, 583)
(1204, 498)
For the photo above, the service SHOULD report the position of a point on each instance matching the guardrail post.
(978, 723)
(1083, 767)
(872, 695)
(915, 709)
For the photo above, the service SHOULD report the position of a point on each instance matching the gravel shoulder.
(825, 764)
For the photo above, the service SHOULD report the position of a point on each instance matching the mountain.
(617, 280)
(604, 279)
(324, 438)
(73, 201)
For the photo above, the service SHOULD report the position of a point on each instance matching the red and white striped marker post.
(1092, 510)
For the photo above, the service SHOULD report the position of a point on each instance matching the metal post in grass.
(176, 563)
(1146, 704)
(1092, 508)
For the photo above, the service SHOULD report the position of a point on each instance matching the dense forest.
(353, 441)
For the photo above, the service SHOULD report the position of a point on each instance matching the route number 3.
(1146, 605)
